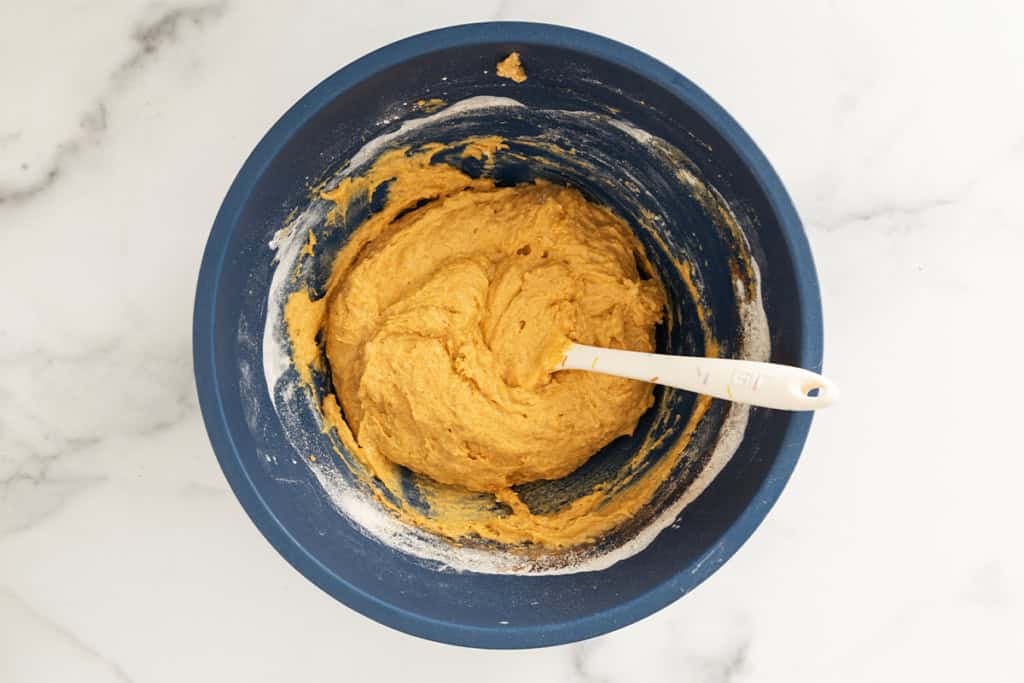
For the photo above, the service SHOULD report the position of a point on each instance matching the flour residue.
(353, 501)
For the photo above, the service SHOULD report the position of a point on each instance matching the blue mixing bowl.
(568, 71)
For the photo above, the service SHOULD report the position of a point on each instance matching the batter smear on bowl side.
(512, 68)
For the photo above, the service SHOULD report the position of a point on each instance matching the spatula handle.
(761, 384)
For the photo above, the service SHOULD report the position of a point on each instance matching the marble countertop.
(895, 553)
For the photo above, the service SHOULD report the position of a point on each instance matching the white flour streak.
(358, 505)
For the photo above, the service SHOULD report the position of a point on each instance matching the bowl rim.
(807, 296)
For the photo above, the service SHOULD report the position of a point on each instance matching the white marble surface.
(895, 553)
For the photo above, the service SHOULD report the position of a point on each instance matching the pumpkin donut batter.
(444, 324)
(444, 316)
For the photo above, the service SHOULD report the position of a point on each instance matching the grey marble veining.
(149, 37)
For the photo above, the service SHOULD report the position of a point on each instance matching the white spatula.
(761, 384)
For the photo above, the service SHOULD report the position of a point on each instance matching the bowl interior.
(567, 71)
